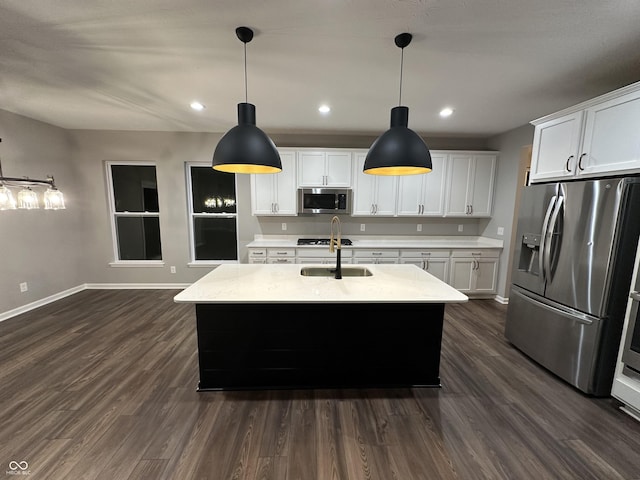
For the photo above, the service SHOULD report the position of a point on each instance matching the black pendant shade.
(245, 148)
(400, 150)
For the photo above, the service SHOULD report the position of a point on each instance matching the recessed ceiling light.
(324, 109)
(197, 106)
(446, 112)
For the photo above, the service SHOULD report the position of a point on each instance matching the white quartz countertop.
(282, 283)
(448, 242)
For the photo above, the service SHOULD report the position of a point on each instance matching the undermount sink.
(331, 272)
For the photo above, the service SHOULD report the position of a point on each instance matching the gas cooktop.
(321, 241)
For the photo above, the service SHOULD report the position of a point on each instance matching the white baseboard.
(502, 300)
(88, 286)
(39, 303)
(135, 286)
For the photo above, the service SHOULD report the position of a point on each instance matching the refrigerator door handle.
(545, 227)
(549, 233)
(569, 313)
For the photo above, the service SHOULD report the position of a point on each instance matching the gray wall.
(508, 184)
(44, 248)
(54, 251)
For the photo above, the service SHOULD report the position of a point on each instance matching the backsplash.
(320, 225)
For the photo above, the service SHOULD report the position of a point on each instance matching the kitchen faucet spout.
(335, 244)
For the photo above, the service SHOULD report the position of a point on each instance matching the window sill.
(137, 263)
(209, 263)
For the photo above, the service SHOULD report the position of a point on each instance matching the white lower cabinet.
(281, 255)
(323, 256)
(435, 262)
(257, 255)
(380, 256)
(474, 271)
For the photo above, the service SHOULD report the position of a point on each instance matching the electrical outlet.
(284, 226)
(460, 228)
(362, 227)
(24, 287)
(500, 230)
(419, 227)
(173, 269)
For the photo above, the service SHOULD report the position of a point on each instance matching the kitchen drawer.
(381, 253)
(321, 253)
(420, 253)
(257, 253)
(479, 252)
(281, 252)
(281, 260)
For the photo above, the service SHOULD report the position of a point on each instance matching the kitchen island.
(268, 326)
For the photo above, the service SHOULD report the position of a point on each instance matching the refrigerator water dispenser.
(530, 253)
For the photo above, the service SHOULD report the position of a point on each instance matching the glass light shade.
(7, 201)
(245, 148)
(27, 199)
(398, 151)
(53, 199)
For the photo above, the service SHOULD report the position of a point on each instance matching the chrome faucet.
(336, 243)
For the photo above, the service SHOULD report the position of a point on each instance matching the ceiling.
(137, 64)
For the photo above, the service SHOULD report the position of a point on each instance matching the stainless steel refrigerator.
(572, 267)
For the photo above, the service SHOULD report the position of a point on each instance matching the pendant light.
(398, 151)
(245, 148)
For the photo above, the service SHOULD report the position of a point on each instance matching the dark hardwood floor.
(102, 385)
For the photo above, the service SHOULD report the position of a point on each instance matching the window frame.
(113, 215)
(191, 216)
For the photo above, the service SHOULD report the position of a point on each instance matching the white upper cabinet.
(324, 168)
(372, 194)
(555, 147)
(275, 193)
(423, 195)
(470, 185)
(594, 138)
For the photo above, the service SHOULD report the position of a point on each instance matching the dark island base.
(277, 346)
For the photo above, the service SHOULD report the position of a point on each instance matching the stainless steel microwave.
(324, 200)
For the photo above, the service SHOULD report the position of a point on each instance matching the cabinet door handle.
(375, 209)
(470, 209)
(426, 264)
(566, 165)
(580, 161)
(276, 207)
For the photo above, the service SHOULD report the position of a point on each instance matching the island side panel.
(330, 345)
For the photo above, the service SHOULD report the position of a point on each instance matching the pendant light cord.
(401, 65)
(246, 95)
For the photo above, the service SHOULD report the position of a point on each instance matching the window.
(212, 208)
(135, 213)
